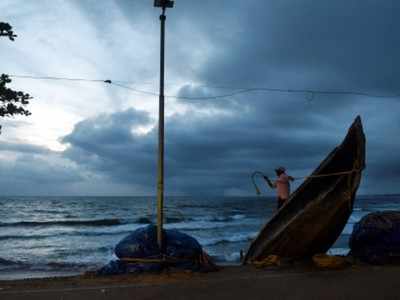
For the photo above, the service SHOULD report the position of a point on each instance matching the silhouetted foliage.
(6, 30)
(11, 102)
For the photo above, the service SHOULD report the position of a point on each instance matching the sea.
(60, 236)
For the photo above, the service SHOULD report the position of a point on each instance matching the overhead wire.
(236, 90)
(183, 97)
(134, 89)
(54, 78)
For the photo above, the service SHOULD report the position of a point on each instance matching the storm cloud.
(216, 153)
(220, 47)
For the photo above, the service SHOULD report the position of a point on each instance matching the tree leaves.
(6, 30)
(11, 102)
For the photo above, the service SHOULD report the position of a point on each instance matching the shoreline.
(26, 275)
(231, 282)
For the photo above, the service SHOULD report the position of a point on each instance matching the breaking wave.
(101, 222)
(236, 238)
(5, 262)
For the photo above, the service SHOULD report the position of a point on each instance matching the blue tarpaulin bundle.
(139, 252)
(376, 238)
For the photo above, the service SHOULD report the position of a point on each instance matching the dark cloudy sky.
(88, 138)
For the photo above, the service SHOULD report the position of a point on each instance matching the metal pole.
(160, 175)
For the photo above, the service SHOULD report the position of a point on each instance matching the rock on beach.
(376, 238)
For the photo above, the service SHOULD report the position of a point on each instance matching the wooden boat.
(316, 213)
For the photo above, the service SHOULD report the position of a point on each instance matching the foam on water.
(348, 229)
(338, 251)
(234, 238)
(210, 223)
(94, 223)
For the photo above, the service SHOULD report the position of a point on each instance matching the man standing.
(282, 185)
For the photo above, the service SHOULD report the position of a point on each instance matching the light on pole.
(160, 169)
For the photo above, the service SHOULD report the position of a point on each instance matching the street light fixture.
(164, 3)
(160, 169)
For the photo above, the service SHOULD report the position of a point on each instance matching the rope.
(297, 178)
(202, 259)
(145, 260)
(258, 192)
(330, 174)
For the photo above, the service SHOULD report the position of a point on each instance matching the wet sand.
(244, 283)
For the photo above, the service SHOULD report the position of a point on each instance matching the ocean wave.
(230, 258)
(146, 220)
(195, 225)
(176, 219)
(119, 230)
(348, 229)
(338, 251)
(357, 216)
(143, 220)
(235, 238)
(57, 265)
(52, 266)
(6, 262)
(229, 218)
(64, 234)
(210, 223)
(185, 222)
(220, 218)
(238, 217)
(100, 222)
(23, 237)
(46, 211)
(202, 205)
(83, 251)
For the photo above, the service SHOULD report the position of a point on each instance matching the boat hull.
(316, 213)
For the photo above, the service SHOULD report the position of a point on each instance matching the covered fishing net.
(139, 252)
(376, 238)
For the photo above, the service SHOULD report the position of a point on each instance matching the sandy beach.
(357, 282)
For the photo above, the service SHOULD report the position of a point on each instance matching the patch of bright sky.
(56, 39)
(62, 39)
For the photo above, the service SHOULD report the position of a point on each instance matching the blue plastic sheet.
(181, 251)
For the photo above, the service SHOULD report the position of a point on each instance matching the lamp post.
(160, 169)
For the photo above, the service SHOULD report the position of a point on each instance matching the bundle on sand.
(334, 262)
(269, 261)
(376, 238)
(139, 252)
(322, 261)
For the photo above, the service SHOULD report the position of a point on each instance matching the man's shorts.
(281, 201)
